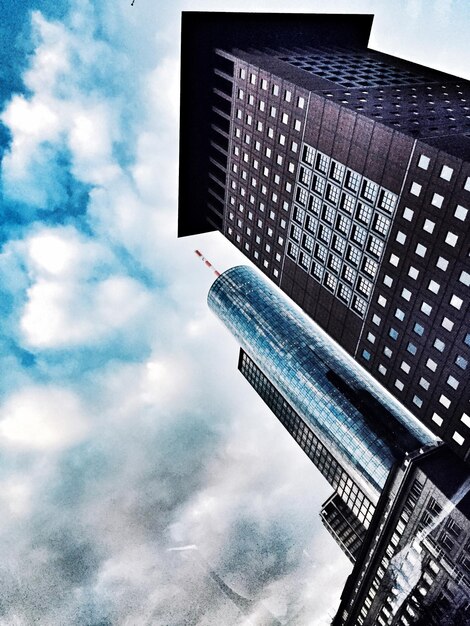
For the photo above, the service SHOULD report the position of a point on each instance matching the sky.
(142, 481)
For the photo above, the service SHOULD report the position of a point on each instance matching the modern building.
(401, 502)
(343, 174)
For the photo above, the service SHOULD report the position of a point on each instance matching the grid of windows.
(346, 488)
(350, 215)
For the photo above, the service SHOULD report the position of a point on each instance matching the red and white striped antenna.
(206, 262)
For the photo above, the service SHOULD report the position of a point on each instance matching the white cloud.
(42, 418)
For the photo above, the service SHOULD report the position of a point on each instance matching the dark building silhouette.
(343, 174)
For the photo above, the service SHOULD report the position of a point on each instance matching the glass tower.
(365, 432)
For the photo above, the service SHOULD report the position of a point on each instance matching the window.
(275, 90)
(287, 96)
(342, 224)
(381, 224)
(467, 184)
(294, 146)
(405, 367)
(465, 419)
(406, 294)
(369, 190)
(437, 200)
(394, 260)
(375, 246)
(322, 163)
(421, 250)
(437, 419)
(411, 348)
(337, 171)
(433, 286)
(442, 263)
(382, 369)
(359, 234)
(387, 200)
(461, 362)
(381, 300)
(308, 155)
(453, 382)
(424, 383)
(353, 180)
(465, 278)
(388, 353)
(285, 118)
(428, 226)
(460, 213)
(446, 172)
(399, 314)
(371, 337)
(423, 162)
(297, 125)
(415, 189)
(417, 400)
(439, 344)
(354, 255)
(413, 272)
(363, 213)
(349, 274)
(431, 365)
(393, 333)
(242, 73)
(408, 214)
(457, 437)
(262, 105)
(365, 287)
(387, 280)
(300, 102)
(418, 329)
(366, 355)
(451, 239)
(456, 302)
(253, 79)
(399, 385)
(376, 320)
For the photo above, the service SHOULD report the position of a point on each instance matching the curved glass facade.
(366, 436)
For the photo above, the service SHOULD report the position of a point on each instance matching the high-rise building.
(344, 175)
(401, 503)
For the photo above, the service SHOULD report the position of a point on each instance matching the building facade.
(344, 175)
(401, 502)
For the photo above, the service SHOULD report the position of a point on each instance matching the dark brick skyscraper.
(344, 175)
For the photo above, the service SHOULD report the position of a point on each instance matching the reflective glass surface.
(366, 436)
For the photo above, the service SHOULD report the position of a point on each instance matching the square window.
(411, 348)
(376, 320)
(442, 263)
(399, 314)
(421, 250)
(426, 308)
(457, 437)
(399, 385)
(371, 337)
(467, 339)
(428, 226)
(413, 272)
(446, 172)
(405, 367)
(465, 278)
(447, 324)
(394, 260)
(424, 383)
(415, 189)
(451, 239)
(433, 286)
(439, 344)
(417, 400)
(388, 353)
(431, 365)
(393, 333)
(456, 302)
(366, 355)
(408, 214)
(460, 213)
(461, 362)
(382, 369)
(382, 301)
(437, 200)
(465, 419)
(437, 419)
(423, 162)
(401, 237)
(418, 329)
(406, 294)
(467, 184)
(453, 382)
(387, 280)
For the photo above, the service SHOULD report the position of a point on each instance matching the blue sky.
(125, 430)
